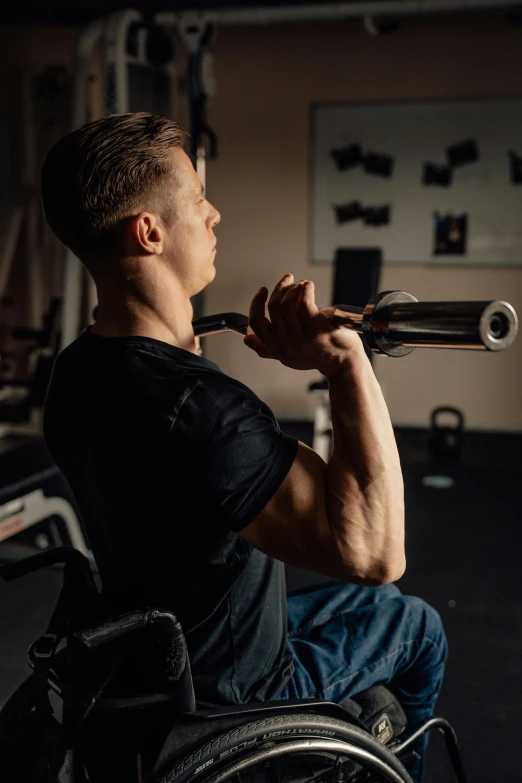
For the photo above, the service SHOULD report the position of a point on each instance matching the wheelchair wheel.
(290, 747)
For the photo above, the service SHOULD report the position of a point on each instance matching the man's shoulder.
(168, 371)
(220, 399)
(149, 376)
(140, 361)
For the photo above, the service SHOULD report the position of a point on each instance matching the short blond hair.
(101, 173)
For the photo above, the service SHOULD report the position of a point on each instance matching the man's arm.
(344, 519)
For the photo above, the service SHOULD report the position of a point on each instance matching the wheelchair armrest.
(174, 656)
(169, 635)
(128, 624)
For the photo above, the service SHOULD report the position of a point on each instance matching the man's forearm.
(364, 485)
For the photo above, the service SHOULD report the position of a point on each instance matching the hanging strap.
(78, 690)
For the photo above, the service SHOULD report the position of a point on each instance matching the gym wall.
(267, 77)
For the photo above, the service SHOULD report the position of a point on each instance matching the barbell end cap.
(498, 326)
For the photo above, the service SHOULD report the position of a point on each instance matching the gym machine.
(122, 64)
(30, 260)
(37, 508)
(132, 61)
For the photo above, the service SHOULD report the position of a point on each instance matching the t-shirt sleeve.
(234, 451)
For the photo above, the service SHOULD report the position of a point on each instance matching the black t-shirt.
(168, 458)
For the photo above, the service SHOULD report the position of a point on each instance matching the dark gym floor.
(464, 553)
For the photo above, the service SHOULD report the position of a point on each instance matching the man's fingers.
(281, 288)
(294, 317)
(288, 308)
(306, 305)
(253, 342)
(257, 319)
(274, 303)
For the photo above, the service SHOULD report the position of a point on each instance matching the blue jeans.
(346, 638)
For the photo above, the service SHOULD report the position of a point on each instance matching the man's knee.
(429, 624)
(391, 590)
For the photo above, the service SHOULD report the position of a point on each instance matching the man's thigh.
(346, 638)
(319, 603)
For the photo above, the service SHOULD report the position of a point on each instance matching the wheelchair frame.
(180, 731)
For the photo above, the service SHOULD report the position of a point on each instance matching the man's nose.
(216, 217)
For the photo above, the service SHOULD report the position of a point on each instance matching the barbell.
(394, 323)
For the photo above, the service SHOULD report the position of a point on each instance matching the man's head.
(123, 188)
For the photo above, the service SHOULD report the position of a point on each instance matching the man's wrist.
(351, 362)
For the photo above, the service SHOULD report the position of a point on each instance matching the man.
(191, 495)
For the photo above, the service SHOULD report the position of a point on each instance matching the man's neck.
(166, 317)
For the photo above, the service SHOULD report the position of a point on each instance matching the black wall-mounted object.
(434, 174)
(377, 216)
(356, 277)
(347, 157)
(345, 213)
(515, 162)
(380, 165)
(462, 153)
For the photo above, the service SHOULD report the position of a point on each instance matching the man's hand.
(298, 334)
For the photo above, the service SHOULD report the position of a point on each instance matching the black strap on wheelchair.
(77, 691)
(59, 555)
(74, 601)
(76, 596)
(21, 701)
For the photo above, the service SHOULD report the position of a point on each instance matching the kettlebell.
(446, 442)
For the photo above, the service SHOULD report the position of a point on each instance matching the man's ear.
(146, 233)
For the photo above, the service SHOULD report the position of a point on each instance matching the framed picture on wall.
(428, 182)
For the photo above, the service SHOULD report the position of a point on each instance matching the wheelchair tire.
(259, 741)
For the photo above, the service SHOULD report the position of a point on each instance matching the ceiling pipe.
(381, 25)
(329, 12)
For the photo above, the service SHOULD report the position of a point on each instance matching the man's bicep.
(293, 526)
(231, 451)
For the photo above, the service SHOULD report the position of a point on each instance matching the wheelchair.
(82, 717)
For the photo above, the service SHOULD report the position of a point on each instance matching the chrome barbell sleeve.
(394, 323)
